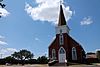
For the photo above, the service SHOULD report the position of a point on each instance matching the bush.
(42, 60)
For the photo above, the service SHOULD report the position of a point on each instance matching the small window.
(74, 54)
(53, 54)
(60, 31)
(61, 38)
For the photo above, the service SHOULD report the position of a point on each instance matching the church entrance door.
(62, 55)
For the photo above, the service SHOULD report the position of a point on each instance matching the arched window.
(53, 54)
(74, 54)
(62, 51)
(61, 41)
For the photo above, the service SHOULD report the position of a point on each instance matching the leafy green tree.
(42, 60)
(98, 54)
(9, 59)
(23, 55)
(2, 6)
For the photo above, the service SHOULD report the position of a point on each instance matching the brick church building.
(64, 47)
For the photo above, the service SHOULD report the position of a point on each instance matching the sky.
(30, 24)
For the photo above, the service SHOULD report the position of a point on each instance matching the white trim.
(64, 29)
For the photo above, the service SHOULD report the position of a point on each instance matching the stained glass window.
(62, 51)
(74, 54)
(61, 38)
(53, 54)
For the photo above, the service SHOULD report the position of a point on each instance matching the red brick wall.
(68, 44)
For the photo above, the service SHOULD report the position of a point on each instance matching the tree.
(22, 55)
(2, 6)
(98, 54)
(42, 60)
(9, 59)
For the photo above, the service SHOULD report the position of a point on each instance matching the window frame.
(74, 54)
(53, 54)
(61, 38)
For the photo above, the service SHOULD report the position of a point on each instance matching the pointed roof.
(62, 20)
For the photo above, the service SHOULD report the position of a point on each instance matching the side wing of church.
(64, 47)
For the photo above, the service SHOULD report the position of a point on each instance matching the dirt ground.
(45, 65)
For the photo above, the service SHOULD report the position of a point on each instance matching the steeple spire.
(62, 20)
(62, 25)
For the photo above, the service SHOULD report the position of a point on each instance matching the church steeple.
(62, 25)
(62, 20)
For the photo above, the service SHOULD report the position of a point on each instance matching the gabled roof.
(62, 20)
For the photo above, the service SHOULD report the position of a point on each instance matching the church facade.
(64, 47)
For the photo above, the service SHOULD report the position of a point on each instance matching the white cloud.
(2, 36)
(47, 10)
(86, 21)
(37, 39)
(7, 51)
(4, 12)
(97, 50)
(3, 50)
(3, 43)
(2, 40)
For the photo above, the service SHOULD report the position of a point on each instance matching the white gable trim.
(64, 28)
